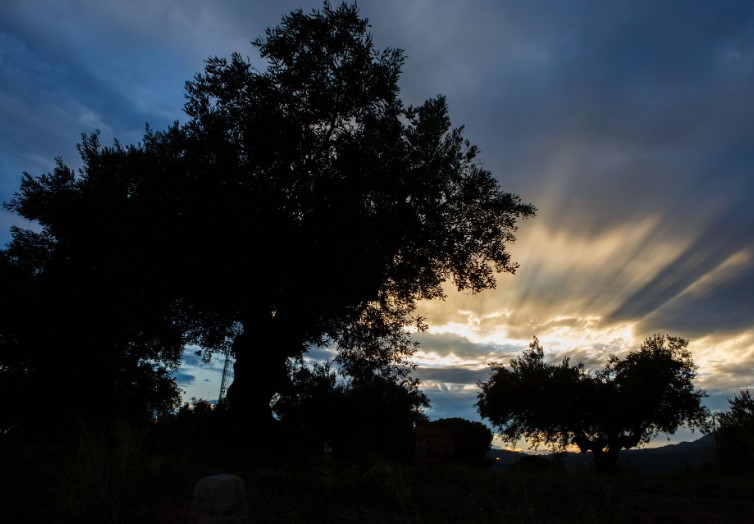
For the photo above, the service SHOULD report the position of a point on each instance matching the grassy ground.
(119, 478)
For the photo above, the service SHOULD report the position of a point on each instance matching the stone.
(220, 499)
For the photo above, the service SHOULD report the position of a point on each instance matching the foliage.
(471, 439)
(76, 344)
(347, 414)
(313, 403)
(299, 204)
(734, 438)
(625, 404)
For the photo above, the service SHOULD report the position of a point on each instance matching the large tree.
(625, 404)
(302, 203)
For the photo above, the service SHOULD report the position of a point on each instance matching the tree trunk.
(604, 454)
(258, 373)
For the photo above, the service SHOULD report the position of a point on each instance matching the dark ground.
(123, 480)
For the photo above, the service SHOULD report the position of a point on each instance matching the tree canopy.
(625, 404)
(302, 203)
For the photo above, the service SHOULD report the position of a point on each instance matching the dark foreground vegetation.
(124, 474)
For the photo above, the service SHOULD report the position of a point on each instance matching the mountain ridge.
(671, 457)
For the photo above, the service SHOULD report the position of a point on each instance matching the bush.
(351, 415)
(471, 439)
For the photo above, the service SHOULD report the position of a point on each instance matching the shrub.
(471, 439)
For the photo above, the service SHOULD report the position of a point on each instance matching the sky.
(628, 124)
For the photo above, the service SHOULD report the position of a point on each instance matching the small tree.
(735, 435)
(627, 403)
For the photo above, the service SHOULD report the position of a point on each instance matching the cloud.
(717, 300)
(593, 358)
(184, 379)
(447, 344)
(193, 361)
(451, 401)
(730, 376)
(320, 354)
(742, 371)
(719, 401)
(451, 375)
(190, 358)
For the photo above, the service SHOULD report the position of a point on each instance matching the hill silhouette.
(664, 459)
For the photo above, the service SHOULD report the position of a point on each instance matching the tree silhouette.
(735, 434)
(625, 404)
(371, 205)
(302, 204)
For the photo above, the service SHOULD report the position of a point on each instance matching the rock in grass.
(220, 499)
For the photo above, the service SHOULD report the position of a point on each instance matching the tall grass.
(102, 481)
